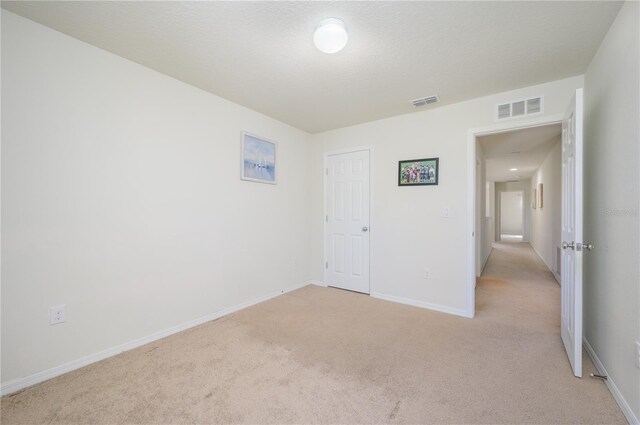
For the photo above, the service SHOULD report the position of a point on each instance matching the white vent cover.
(534, 105)
(425, 100)
(519, 108)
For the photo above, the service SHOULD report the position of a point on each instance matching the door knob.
(571, 245)
(587, 246)
(365, 228)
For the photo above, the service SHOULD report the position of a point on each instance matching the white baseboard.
(617, 395)
(20, 383)
(553, 272)
(421, 304)
(486, 260)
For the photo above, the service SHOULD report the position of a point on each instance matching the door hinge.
(326, 264)
(326, 218)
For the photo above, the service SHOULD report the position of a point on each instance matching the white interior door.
(347, 221)
(571, 291)
(512, 213)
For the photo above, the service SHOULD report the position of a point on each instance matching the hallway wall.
(488, 226)
(546, 234)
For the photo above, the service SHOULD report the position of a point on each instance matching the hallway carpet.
(322, 355)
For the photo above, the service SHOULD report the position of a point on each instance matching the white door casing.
(347, 220)
(572, 187)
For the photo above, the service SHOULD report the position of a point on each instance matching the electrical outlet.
(638, 354)
(294, 263)
(57, 314)
(426, 274)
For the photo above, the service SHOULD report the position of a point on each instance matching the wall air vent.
(519, 108)
(504, 111)
(534, 105)
(425, 101)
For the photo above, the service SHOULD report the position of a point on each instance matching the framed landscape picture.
(258, 162)
(418, 172)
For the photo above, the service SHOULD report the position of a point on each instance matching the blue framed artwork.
(258, 159)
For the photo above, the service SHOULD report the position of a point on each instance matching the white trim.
(316, 282)
(471, 224)
(472, 133)
(349, 150)
(615, 392)
(20, 383)
(421, 304)
(368, 148)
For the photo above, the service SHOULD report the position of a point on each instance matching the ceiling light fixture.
(513, 169)
(331, 35)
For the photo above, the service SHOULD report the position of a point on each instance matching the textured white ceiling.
(522, 149)
(261, 55)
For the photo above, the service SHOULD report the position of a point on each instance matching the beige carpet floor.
(322, 355)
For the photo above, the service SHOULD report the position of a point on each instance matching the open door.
(571, 291)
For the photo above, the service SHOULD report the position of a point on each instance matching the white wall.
(439, 132)
(612, 203)
(121, 198)
(546, 235)
(525, 187)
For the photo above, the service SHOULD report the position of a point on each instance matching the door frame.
(368, 148)
(522, 212)
(472, 134)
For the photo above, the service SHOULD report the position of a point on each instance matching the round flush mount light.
(331, 35)
(513, 169)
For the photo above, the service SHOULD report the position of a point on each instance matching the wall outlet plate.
(426, 274)
(57, 314)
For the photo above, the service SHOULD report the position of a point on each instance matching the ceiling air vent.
(425, 101)
(519, 108)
